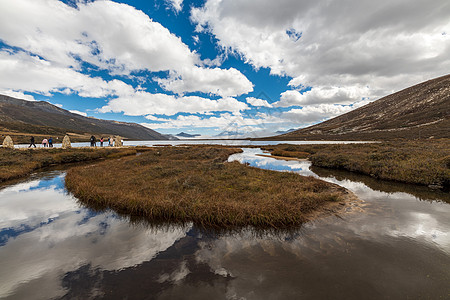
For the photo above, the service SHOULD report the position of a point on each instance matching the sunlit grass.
(18, 163)
(195, 184)
(425, 162)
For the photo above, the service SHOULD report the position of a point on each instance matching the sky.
(209, 67)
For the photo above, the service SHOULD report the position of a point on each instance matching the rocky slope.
(420, 111)
(21, 117)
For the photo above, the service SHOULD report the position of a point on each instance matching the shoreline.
(283, 157)
(16, 163)
(195, 184)
(425, 163)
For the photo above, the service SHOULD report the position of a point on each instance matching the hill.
(21, 118)
(420, 111)
(187, 135)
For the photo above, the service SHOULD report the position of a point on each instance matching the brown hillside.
(21, 118)
(420, 111)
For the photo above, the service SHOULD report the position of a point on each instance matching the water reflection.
(398, 247)
(403, 213)
(45, 234)
(421, 192)
(209, 142)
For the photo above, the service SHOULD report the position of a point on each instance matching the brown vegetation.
(196, 184)
(21, 118)
(419, 162)
(18, 163)
(418, 112)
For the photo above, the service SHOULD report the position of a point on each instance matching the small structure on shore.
(66, 142)
(8, 142)
(118, 141)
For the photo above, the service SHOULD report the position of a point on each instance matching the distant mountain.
(170, 137)
(187, 135)
(420, 111)
(285, 131)
(230, 133)
(21, 117)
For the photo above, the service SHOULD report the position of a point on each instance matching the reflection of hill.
(421, 192)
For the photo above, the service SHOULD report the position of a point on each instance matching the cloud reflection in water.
(62, 237)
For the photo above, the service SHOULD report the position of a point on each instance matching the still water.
(395, 245)
(209, 142)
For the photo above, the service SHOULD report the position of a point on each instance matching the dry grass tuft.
(18, 163)
(194, 184)
(424, 162)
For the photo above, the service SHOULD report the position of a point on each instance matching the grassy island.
(16, 163)
(423, 162)
(195, 184)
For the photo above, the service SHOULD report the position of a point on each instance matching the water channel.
(395, 244)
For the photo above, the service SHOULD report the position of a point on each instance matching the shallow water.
(209, 142)
(395, 245)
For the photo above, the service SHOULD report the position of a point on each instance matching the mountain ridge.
(33, 117)
(419, 111)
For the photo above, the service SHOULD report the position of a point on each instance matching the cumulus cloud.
(176, 5)
(143, 103)
(257, 102)
(78, 112)
(17, 94)
(20, 71)
(333, 46)
(215, 81)
(104, 33)
(259, 124)
(321, 94)
(310, 114)
(222, 121)
(111, 36)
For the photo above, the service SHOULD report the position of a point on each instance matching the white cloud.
(23, 72)
(216, 81)
(112, 36)
(257, 102)
(311, 114)
(143, 103)
(259, 124)
(17, 94)
(107, 34)
(196, 39)
(334, 46)
(58, 232)
(176, 5)
(314, 113)
(193, 121)
(319, 95)
(238, 124)
(78, 112)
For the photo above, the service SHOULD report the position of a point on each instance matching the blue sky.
(251, 67)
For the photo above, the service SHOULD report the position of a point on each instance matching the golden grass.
(21, 162)
(194, 184)
(424, 162)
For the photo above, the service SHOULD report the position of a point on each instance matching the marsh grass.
(425, 162)
(21, 162)
(195, 184)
